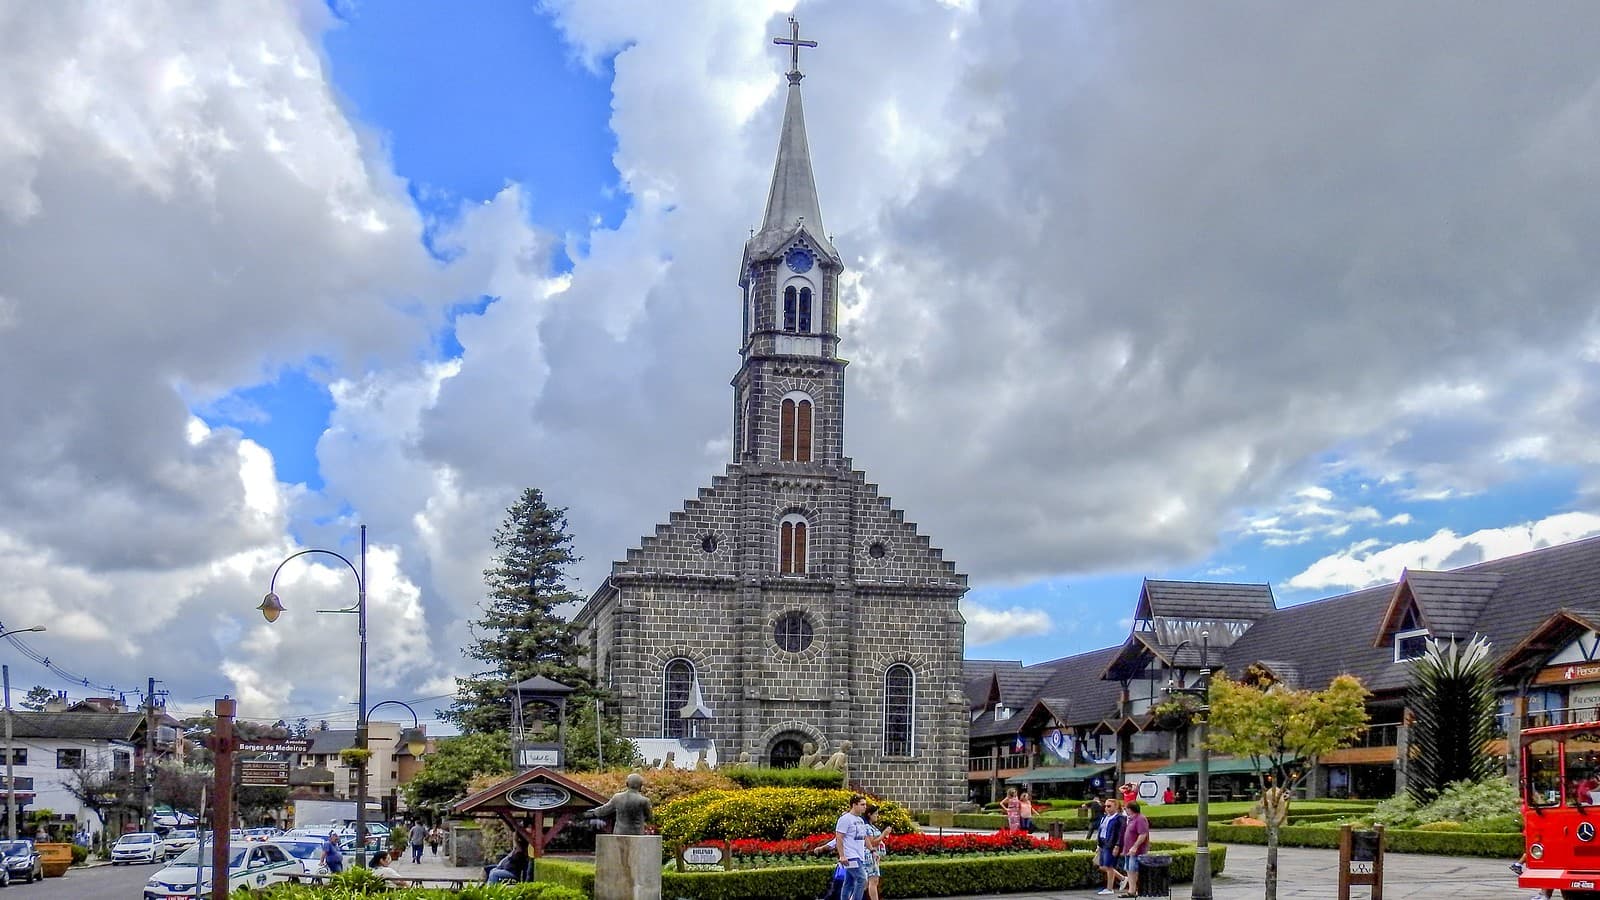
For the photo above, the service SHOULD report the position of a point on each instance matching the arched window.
(792, 535)
(899, 699)
(679, 681)
(790, 308)
(794, 428)
(805, 311)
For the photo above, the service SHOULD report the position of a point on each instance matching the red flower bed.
(910, 844)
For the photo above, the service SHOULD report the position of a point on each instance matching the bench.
(453, 884)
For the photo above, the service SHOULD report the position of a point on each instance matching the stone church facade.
(790, 602)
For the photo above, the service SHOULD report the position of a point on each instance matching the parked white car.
(139, 847)
(179, 840)
(251, 865)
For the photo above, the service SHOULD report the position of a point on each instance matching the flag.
(1020, 745)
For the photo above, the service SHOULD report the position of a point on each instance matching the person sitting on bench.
(512, 866)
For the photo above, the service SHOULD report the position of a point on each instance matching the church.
(789, 603)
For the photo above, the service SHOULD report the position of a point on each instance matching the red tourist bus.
(1561, 809)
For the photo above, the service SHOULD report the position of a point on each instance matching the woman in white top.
(382, 869)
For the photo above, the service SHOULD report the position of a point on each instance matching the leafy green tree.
(520, 634)
(446, 771)
(1282, 731)
(1452, 702)
(580, 745)
(37, 697)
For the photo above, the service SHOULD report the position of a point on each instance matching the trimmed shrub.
(79, 854)
(1460, 801)
(572, 874)
(766, 813)
(660, 785)
(1441, 825)
(1396, 840)
(761, 776)
(537, 890)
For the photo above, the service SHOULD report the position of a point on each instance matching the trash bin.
(1055, 830)
(1155, 876)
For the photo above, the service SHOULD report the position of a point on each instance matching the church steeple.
(792, 200)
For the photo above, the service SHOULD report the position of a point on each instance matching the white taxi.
(249, 866)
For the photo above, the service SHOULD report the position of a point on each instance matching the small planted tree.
(1283, 731)
(1452, 702)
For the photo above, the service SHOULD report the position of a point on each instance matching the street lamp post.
(412, 737)
(1201, 886)
(11, 782)
(271, 607)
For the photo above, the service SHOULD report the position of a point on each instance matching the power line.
(64, 674)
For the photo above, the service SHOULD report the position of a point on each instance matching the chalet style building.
(1072, 726)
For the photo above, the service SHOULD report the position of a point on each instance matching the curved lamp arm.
(272, 606)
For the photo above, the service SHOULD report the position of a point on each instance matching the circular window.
(877, 550)
(792, 632)
(709, 543)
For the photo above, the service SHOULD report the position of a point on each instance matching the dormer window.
(1412, 644)
(1002, 713)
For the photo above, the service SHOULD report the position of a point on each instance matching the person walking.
(850, 836)
(1135, 841)
(418, 836)
(1025, 812)
(871, 863)
(332, 856)
(1108, 844)
(1012, 806)
(435, 838)
(1095, 810)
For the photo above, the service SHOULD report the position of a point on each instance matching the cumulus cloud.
(1134, 270)
(988, 625)
(1371, 562)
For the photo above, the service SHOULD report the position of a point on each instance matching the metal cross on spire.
(794, 44)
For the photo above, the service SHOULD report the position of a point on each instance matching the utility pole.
(222, 792)
(147, 806)
(11, 785)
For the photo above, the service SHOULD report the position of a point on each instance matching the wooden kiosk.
(536, 804)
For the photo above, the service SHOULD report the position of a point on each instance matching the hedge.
(536, 890)
(760, 776)
(1396, 840)
(565, 872)
(901, 878)
(769, 814)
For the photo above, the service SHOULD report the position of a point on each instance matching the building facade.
(1070, 726)
(790, 603)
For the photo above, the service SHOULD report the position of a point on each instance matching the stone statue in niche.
(808, 756)
(839, 761)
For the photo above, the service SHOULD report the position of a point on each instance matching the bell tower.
(789, 390)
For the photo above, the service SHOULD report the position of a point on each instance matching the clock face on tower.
(799, 259)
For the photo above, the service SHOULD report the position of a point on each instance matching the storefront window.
(1542, 765)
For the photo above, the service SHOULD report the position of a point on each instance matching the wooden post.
(222, 799)
(1344, 862)
(1377, 866)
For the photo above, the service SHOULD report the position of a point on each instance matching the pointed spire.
(793, 197)
(792, 204)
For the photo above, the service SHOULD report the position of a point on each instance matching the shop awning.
(1053, 774)
(1226, 766)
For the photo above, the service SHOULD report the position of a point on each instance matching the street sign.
(263, 773)
(288, 745)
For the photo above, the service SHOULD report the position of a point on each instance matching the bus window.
(1583, 768)
(1541, 767)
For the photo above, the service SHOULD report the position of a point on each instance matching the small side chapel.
(790, 603)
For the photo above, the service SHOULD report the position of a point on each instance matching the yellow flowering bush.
(763, 813)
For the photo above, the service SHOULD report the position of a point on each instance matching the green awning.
(1053, 774)
(1228, 766)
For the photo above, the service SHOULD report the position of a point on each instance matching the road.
(99, 883)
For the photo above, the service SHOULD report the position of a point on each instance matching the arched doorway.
(785, 751)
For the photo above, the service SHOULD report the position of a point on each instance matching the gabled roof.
(81, 726)
(1077, 695)
(492, 798)
(1529, 655)
(1448, 603)
(1204, 600)
(332, 740)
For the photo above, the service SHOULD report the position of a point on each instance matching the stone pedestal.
(627, 867)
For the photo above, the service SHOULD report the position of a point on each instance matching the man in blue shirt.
(332, 856)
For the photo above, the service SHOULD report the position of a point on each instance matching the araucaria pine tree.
(520, 635)
(1452, 703)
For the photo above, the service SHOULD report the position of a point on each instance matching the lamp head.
(36, 628)
(271, 607)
